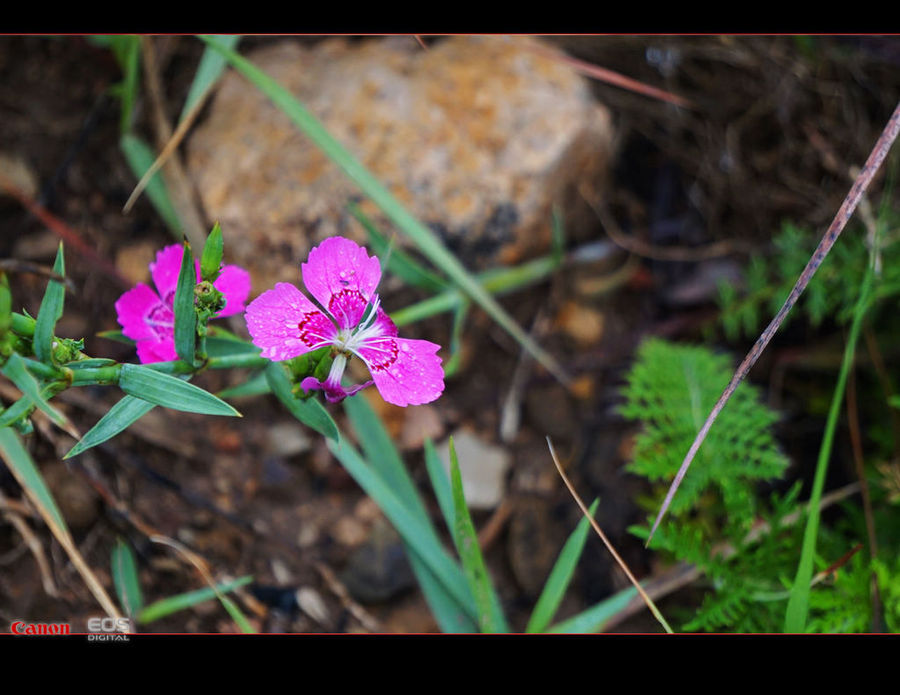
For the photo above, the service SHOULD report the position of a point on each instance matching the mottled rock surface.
(477, 136)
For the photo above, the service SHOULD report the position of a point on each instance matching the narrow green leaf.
(173, 604)
(560, 576)
(382, 454)
(308, 411)
(211, 67)
(91, 363)
(211, 260)
(419, 537)
(26, 473)
(387, 463)
(594, 618)
(490, 615)
(459, 321)
(125, 578)
(140, 158)
(798, 604)
(127, 411)
(257, 385)
(395, 260)
(227, 347)
(428, 242)
(50, 312)
(117, 336)
(441, 485)
(15, 371)
(185, 316)
(894, 401)
(171, 392)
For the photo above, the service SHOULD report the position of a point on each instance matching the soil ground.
(777, 125)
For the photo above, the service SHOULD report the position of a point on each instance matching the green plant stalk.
(498, 281)
(798, 603)
(428, 242)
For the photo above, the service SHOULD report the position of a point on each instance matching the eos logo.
(109, 629)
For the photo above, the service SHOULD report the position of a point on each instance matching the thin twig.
(873, 163)
(180, 188)
(609, 546)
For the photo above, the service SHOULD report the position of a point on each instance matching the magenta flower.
(343, 278)
(148, 318)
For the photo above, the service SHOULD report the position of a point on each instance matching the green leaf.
(5, 305)
(211, 67)
(171, 392)
(560, 576)
(125, 578)
(387, 463)
(382, 454)
(594, 618)
(185, 316)
(140, 158)
(15, 371)
(211, 260)
(395, 260)
(257, 385)
(441, 485)
(173, 604)
(428, 242)
(308, 411)
(490, 615)
(50, 312)
(127, 411)
(417, 535)
(227, 347)
(117, 336)
(90, 363)
(27, 474)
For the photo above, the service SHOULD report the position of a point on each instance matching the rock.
(286, 439)
(478, 137)
(581, 322)
(379, 569)
(482, 467)
(78, 502)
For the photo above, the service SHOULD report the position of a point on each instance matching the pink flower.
(343, 278)
(148, 318)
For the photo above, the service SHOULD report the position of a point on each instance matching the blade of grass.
(398, 262)
(560, 576)
(609, 546)
(257, 385)
(798, 603)
(490, 614)
(26, 473)
(427, 241)
(50, 312)
(183, 305)
(210, 69)
(387, 463)
(140, 158)
(123, 567)
(418, 537)
(440, 483)
(866, 174)
(309, 411)
(179, 602)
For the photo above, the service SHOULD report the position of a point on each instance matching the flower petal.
(234, 283)
(165, 271)
(134, 308)
(285, 324)
(157, 350)
(342, 277)
(406, 372)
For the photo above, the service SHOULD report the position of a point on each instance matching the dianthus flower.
(148, 317)
(343, 279)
